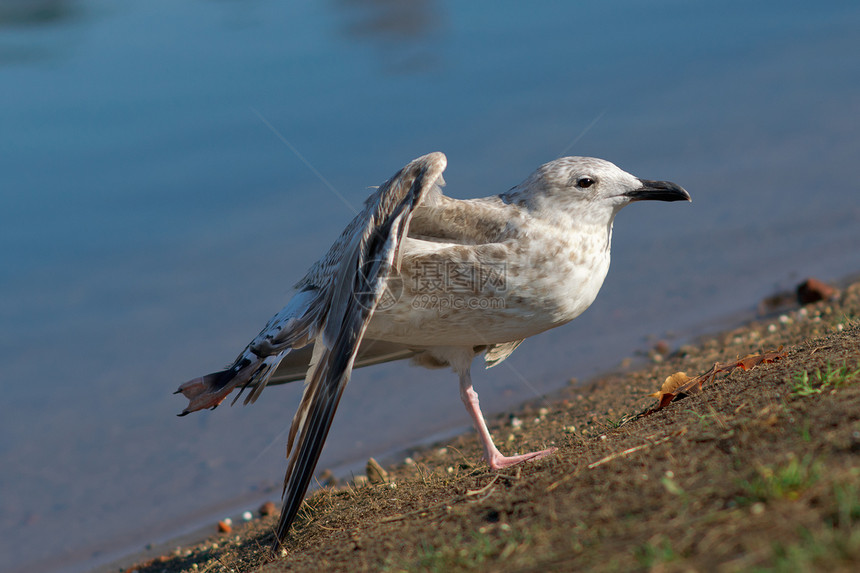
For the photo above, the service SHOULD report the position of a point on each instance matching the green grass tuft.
(788, 481)
(806, 384)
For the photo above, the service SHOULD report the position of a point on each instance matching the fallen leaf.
(671, 384)
(679, 385)
(669, 390)
(753, 360)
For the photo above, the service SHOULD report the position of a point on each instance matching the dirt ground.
(759, 471)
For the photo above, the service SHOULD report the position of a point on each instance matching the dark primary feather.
(358, 274)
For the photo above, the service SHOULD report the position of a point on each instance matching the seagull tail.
(291, 328)
(248, 370)
(207, 391)
(260, 378)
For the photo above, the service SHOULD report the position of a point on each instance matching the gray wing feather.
(295, 365)
(356, 277)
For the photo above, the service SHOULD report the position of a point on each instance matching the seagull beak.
(658, 191)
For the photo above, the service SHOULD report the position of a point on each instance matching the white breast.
(487, 294)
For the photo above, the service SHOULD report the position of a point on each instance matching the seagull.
(419, 275)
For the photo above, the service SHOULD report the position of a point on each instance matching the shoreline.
(597, 393)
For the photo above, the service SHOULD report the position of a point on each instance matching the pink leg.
(491, 454)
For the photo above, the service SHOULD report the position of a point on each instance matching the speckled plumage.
(420, 275)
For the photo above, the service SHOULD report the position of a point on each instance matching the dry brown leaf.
(671, 383)
(668, 391)
(679, 385)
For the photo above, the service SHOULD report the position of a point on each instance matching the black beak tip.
(659, 191)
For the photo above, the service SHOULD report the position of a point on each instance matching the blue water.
(168, 170)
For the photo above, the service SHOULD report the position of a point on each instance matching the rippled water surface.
(168, 170)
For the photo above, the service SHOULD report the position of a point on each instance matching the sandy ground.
(758, 471)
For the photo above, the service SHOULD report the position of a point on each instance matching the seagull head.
(587, 188)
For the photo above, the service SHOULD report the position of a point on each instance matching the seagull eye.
(584, 182)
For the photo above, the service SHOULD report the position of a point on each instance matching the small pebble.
(327, 478)
(247, 516)
(814, 290)
(516, 423)
(771, 328)
(543, 412)
(267, 508)
(376, 474)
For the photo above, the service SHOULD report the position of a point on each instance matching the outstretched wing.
(356, 271)
(286, 339)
